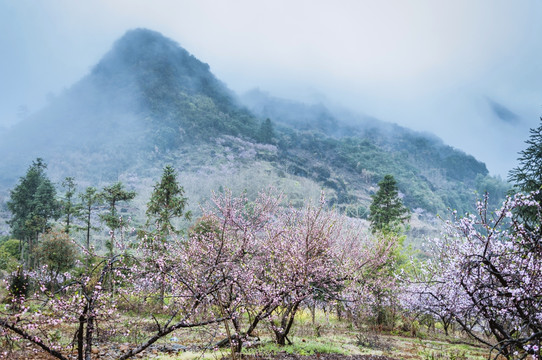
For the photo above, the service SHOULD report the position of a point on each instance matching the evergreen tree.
(89, 200)
(112, 195)
(70, 209)
(527, 176)
(387, 212)
(32, 204)
(167, 202)
(266, 132)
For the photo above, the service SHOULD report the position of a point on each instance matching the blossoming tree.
(487, 276)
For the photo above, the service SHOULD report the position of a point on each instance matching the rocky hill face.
(149, 102)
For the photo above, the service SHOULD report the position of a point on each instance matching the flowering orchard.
(275, 259)
(73, 317)
(487, 277)
(242, 264)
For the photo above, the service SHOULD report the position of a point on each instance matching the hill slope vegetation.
(149, 102)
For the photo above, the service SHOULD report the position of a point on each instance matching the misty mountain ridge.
(149, 102)
(341, 123)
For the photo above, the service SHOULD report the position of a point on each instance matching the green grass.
(345, 344)
(190, 355)
(300, 347)
(325, 335)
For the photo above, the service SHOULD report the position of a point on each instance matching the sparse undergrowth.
(334, 340)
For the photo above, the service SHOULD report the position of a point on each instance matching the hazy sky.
(468, 71)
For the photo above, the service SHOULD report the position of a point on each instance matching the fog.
(466, 71)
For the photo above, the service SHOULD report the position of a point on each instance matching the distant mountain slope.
(173, 88)
(146, 94)
(432, 175)
(150, 102)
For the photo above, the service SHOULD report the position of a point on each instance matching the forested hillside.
(149, 102)
(432, 175)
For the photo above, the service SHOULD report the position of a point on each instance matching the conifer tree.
(266, 132)
(32, 204)
(387, 212)
(89, 200)
(112, 195)
(528, 175)
(167, 203)
(70, 209)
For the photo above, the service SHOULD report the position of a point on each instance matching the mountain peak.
(174, 91)
(143, 48)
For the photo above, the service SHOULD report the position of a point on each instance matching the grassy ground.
(328, 335)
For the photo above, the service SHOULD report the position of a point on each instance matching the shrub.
(18, 284)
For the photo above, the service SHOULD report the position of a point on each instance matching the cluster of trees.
(33, 205)
(432, 175)
(486, 274)
(243, 263)
(35, 208)
(423, 175)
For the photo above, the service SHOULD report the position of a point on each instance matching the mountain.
(147, 93)
(149, 102)
(432, 175)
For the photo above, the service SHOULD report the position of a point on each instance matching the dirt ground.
(285, 356)
(113, 351)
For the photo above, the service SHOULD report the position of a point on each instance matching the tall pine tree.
(33, 205)
(527, 176)
(112, 196)
(387, 212)
(89, 200)
(167, 203)
(70, 209)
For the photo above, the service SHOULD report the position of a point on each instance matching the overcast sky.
(468, 71)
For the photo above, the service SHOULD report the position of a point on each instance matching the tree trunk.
(262, 314)
(281, 338)
(88, 230)
(81, 335)
(89, 335)
(162, 295)
(21, 251)
(286, 324)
